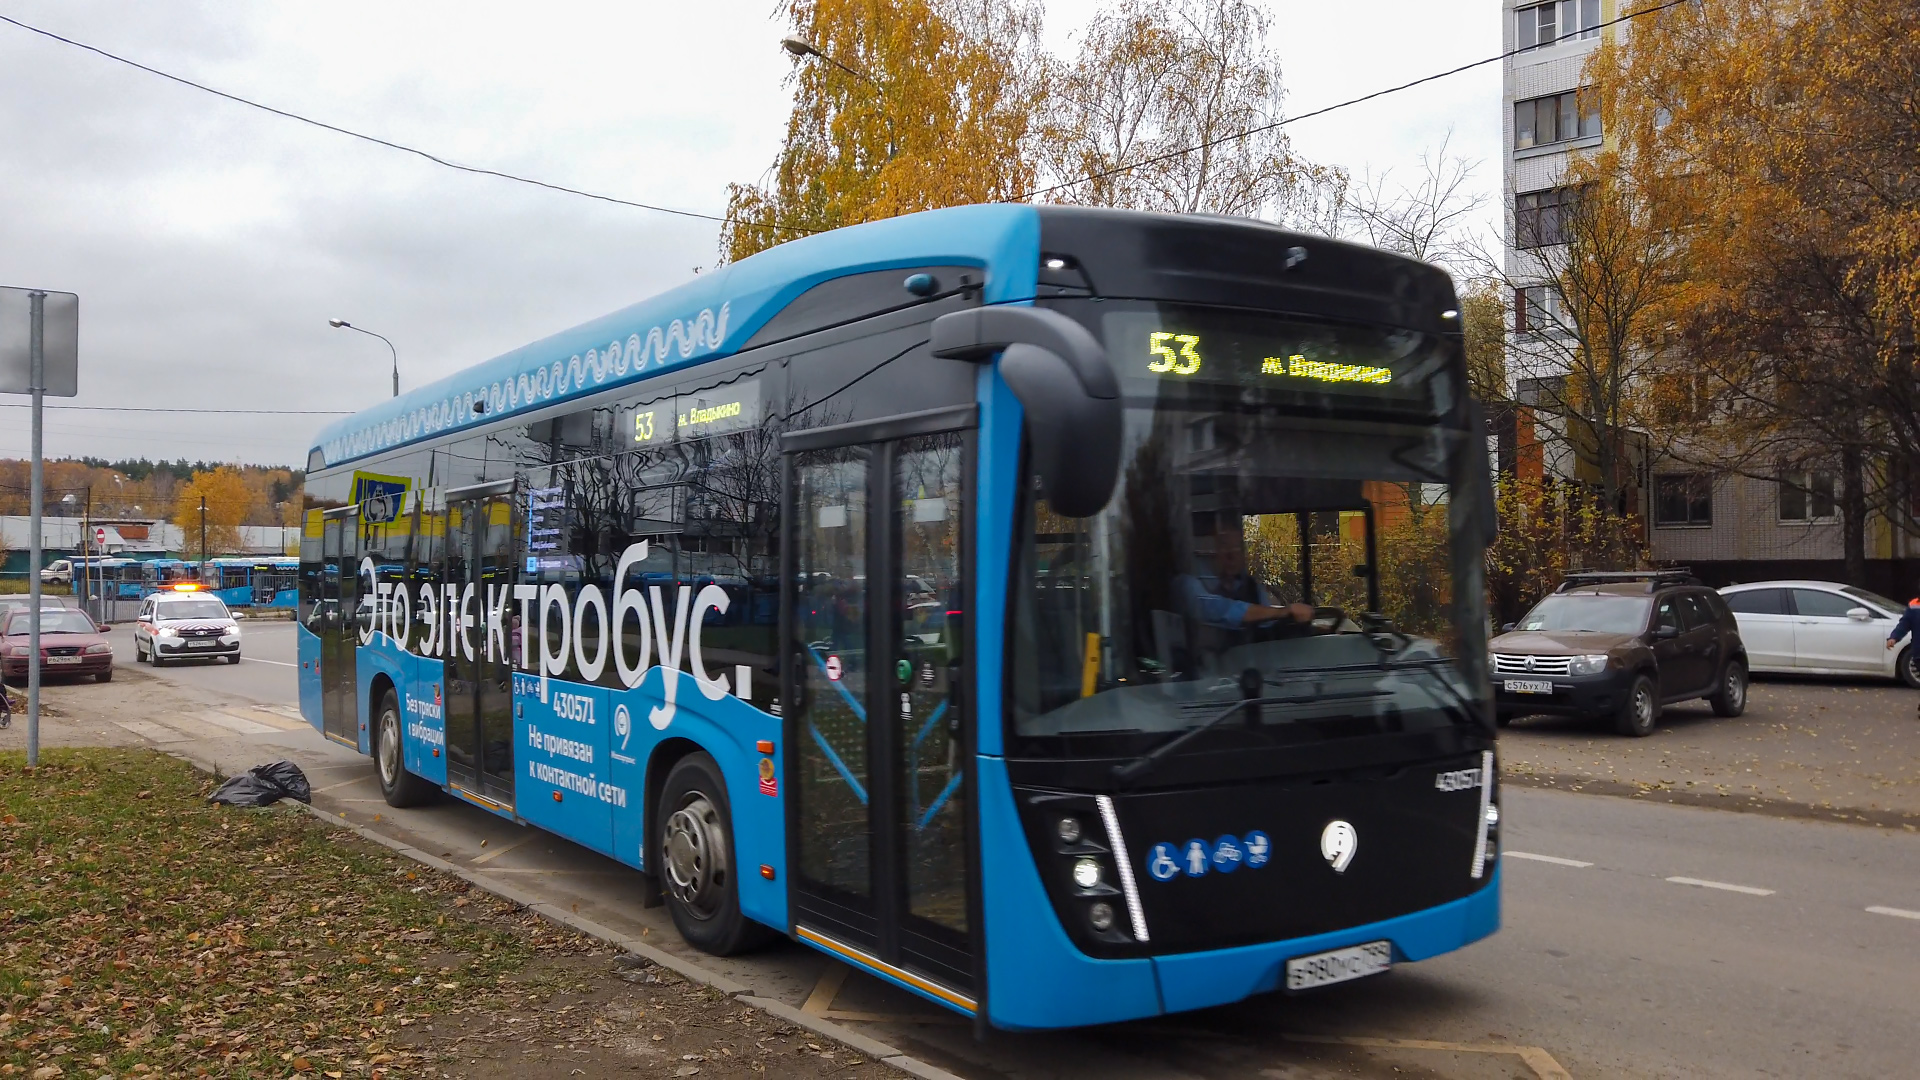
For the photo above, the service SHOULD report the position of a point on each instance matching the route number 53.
(1185, 361)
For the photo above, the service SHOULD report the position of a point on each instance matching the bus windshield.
(1262, 543)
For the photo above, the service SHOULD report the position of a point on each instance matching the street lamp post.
(342, 324)
(802, 49)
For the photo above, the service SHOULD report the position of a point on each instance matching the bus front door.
(880, 774)
(336, 627)
(477, 575)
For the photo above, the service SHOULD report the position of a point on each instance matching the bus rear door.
(478, 560)
(880, 772)
(334, 624)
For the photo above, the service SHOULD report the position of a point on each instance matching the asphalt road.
(267, 673)
(1638, 940)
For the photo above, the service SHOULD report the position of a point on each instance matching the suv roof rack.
(1655, 579)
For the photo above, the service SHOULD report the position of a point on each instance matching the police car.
(185, 623)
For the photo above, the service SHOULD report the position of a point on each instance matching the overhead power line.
(142, 408)
(1235, 136)
(724, 219)
(477, 170)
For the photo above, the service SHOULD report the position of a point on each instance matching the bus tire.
(698, 864)
(398, 786)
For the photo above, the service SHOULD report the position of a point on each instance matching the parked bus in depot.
(120, 579)
(253, 583)
(161, 575)
(1066, 615)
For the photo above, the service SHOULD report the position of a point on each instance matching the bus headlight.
(1588, 665)
(1069, 830)
(1086, 874)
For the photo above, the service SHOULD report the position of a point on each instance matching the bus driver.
(1233, 599)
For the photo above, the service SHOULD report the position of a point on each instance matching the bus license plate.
(63, 659)
(1340, 965)
(1528, 686)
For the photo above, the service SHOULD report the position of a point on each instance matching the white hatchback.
(185, 626)
(1821, 628)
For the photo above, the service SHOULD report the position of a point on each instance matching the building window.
(1683, 500)
(1556, 118)
(1542, 24)
(1533, 310)
(1806, 496)
(1540, 217)
(1549, 392)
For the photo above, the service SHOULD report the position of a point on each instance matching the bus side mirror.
(1063, 380)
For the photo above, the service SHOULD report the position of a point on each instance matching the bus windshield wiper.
(1250, 680)
(1144, 764)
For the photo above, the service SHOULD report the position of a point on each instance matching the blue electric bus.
(161, 575)
(1067, 615)
(241, 582)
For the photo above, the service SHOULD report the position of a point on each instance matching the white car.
(1821, 628)
(57, 572)
(185, 625)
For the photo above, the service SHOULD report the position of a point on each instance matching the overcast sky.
(210, 243)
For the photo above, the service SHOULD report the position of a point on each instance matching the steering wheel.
(1327, 620)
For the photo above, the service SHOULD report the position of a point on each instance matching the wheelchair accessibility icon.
(1163, 862)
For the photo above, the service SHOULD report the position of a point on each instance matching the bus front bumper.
(1221, 976)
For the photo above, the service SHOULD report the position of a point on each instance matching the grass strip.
(143, 930)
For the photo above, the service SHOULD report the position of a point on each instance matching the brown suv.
(1620, 646)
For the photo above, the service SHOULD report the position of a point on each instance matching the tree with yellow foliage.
(903, 105)
(1784, 139)
(229, 499)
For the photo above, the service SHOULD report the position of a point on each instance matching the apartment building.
(1728, 527)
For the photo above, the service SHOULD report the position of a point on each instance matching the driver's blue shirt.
(1203, 600)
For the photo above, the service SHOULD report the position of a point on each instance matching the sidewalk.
(1831, 750)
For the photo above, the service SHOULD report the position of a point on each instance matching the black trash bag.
(264, 785)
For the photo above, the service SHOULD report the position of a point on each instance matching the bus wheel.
(397, 785)
(697, 860)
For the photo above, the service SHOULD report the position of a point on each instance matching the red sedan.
(70, 644)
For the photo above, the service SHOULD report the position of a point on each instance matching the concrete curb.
(692, 972)
(1575, 783)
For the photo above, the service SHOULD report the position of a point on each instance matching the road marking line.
(1536, 1058)
(1554, 859)
(1748, 889)
(489, 856)
(235, 724)
(276, 663)
(828, 988)
(344, 783)
(153, 732)
(1899, 913)
(820, 1003)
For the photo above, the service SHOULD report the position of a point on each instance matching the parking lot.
(1831, 748)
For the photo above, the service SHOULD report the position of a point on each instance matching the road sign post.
(44, 360)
